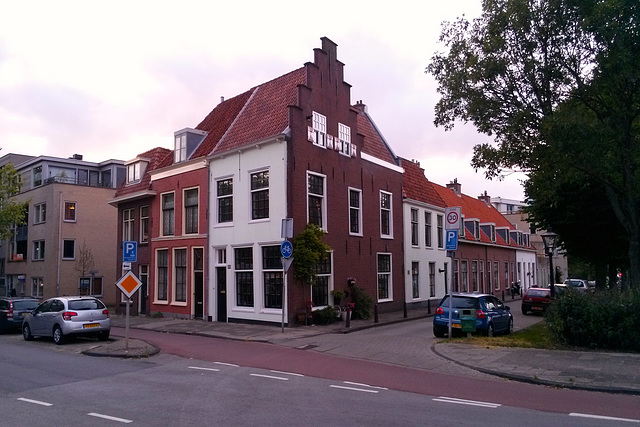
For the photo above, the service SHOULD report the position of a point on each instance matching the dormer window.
(133, 172)
(180, 150)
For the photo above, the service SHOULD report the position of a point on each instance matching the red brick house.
(134, 200)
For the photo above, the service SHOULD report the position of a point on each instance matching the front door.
(198, 282)
(221, 274)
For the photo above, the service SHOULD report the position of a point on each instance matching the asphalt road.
(52, 387)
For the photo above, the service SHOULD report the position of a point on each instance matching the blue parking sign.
(452, 240)
(129, 251)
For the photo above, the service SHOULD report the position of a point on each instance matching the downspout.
(59, 243)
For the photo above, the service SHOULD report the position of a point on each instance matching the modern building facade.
(68, 243)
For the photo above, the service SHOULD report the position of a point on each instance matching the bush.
(604, 320)
(363, 303)
(324, 316)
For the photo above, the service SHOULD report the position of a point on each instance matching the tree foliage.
(557, 83)
(308, 249)
(11, 212)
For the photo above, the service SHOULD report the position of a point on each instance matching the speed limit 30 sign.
(452, 218)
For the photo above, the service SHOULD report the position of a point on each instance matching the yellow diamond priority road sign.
(129, 284)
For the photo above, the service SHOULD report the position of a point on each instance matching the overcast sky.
(110, 80)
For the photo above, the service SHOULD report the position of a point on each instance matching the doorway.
(221, 279)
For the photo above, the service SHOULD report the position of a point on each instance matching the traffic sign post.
(453, 217)
(286, 249)
(128, 284)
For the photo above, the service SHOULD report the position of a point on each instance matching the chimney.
(485, 198)
(360, 106)
(77, 157)
(455, 186)
(221, 99)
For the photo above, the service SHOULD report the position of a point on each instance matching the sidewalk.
(588, 370)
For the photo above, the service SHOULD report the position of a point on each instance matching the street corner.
(119, 347)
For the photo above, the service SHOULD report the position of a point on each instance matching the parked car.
(61, 317)
(13, 310)
(578, 284)
(536, 300)
(492, 316)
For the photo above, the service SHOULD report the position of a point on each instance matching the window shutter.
(330, 142)
(311, 135)
(353, 150)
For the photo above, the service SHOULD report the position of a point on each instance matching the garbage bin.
(467, 319)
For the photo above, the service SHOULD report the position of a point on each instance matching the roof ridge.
(253, 90)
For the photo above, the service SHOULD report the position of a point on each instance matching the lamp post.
(550, 240)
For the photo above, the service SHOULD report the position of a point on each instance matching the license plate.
(24, 314)
(536, 308)
(456, 325)
(91, 325)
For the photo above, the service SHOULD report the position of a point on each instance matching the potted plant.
(338, 295)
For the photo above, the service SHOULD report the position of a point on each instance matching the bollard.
(375, 313)
(348, 321)
(405, 309)
(428, 306)
(502, 295)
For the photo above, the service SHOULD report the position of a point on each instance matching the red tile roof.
(473, 208)
(157, 157)
(373, 144)
(416, 186)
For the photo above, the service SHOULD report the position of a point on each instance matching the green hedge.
(602, 320)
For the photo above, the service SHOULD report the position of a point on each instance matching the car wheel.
(524, 311)
(510, 330)
(58, 337)
(103, 335)
(438, 332)
(490, 331)
(26, 332)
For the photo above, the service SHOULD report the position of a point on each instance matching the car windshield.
(574, 283)
(25, 305)
(460, 302)
(85, 304)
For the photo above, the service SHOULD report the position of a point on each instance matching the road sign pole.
(126, 329)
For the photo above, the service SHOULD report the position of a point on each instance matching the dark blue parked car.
(13, 310)
(492, 316)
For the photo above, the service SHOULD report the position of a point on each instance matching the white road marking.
(354, 389)
(466, 402)
(602, 417)
(366, 385)
(37, 402)
(270, 376)
(227, 364)
(203, 369)
(287, 373)
(108, 417)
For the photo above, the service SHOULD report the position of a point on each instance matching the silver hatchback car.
(61, 317)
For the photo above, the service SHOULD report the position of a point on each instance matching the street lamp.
(550, 240)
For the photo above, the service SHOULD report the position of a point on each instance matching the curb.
(530, 380)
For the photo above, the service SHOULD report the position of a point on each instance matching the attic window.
(133, 173)
(319, 130)
(344, 139)
(180, 151)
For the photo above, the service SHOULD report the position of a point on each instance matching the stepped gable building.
(293, 147)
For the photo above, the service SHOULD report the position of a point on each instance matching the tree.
(11, 212)
(309, 250)
(557, 82)
(85, 261)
